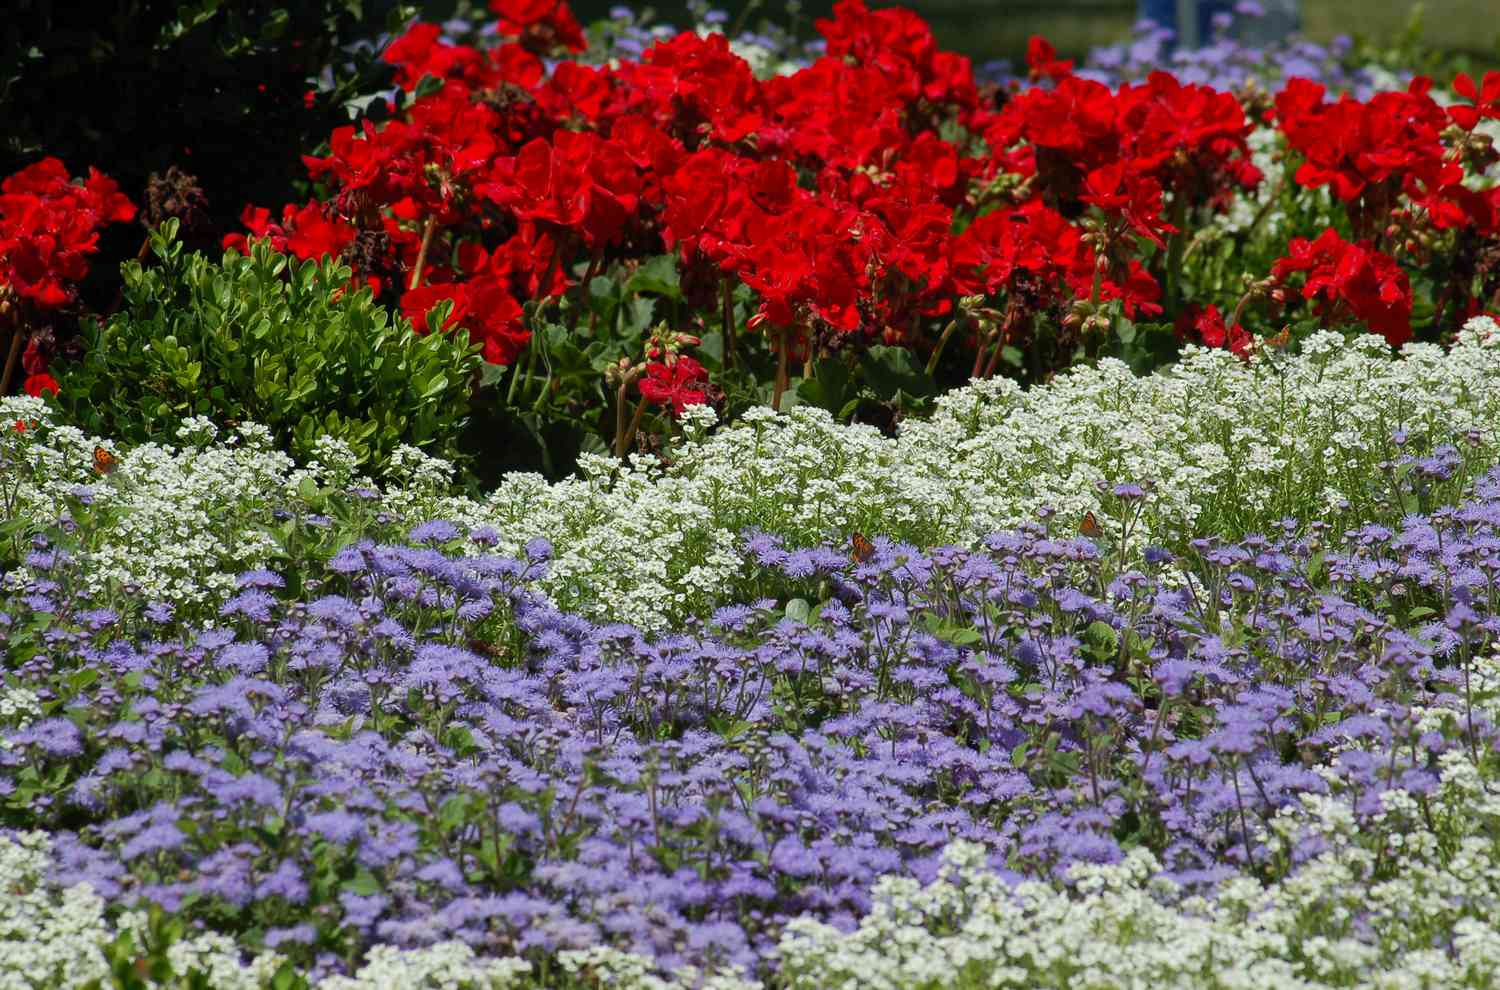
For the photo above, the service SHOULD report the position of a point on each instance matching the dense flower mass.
(49, 224)
(1231, 447)
(1050, 535)
(421, 750)
(860, 196)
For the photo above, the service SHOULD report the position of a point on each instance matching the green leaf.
(426, 86)
(80, 680)
(890, 371)
(364, 883)
(829, 388)
(799, 610)
(657, 274)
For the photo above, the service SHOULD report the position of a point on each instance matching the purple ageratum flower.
(260, 579)
(336, 610)
(362, 911)
(434, 532)
(339, 827)
(250, 789)
(349, 560)
(56, 737)
(160, 836)
(284, 882)
(245, 658)
(764, 548)
(255, 605)
(300, 934)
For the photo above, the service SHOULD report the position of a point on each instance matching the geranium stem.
(11, 358)
(1175, 248)
(416, 272)
(980, 344)
(635, 423)
(781, 379)
(937, 351)
(729, 355)
(620, 430)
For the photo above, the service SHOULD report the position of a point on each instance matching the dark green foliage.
(270, 340)
(215, 87)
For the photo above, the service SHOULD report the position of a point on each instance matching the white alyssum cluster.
(1407, 901)
(1228, 447)
(444, 965)
(47, 939)
(56, 940)
(19, 707)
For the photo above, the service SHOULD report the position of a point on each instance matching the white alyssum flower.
(48, 939)
(444, 966)
(1229, 448)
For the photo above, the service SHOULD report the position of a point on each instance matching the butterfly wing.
(104, 461)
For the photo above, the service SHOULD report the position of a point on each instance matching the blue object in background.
(1255, 22)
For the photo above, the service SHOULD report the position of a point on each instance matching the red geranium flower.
(542, 25)
(1208, 323)
(1353, 280)
(37, 384)
(1486, 100)
(678, 385)
(1043, 60)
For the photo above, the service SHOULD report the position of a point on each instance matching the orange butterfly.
(862, 550)
(104, 461)
(1090, 526)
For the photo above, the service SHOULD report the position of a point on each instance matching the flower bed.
(662, 511)
(1345, 434)
(417, 750)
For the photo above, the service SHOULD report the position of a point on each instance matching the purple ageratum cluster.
(1225, 63)
(428, 750)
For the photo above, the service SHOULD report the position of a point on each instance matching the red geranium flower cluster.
(49, 225)
(818, 190)
(1352, 280)
(541, 25)
(860, 197)
(1371, 153)
(1205, 325)
(675, 384)
(1395, 163)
